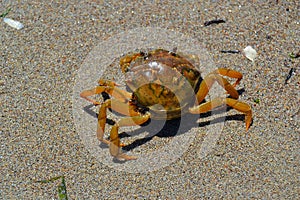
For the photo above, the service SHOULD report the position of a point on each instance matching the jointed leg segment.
(207, 83)
(108, 87)
(230, 73)
(134, 118)
(237, 105)
(121, 105)
(115, 144)
(215, 76)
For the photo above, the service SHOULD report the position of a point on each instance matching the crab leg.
(237, 105)
(230, 73)
(134, 119)
(209, 80)
(108, 87)
(115, 144)
(116, 105)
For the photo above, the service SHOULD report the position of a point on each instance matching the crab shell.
(162, 81)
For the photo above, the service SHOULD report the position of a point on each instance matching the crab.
(164, 85)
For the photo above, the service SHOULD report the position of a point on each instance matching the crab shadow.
(174, 127)
(170, 128)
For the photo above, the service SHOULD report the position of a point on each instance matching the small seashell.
(250, 53)
(13, 23)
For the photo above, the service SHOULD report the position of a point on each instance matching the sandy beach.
(47, 130)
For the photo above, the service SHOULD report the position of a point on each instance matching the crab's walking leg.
(116, 105)
(108, 87)
(237, 105)
(209, 80)
(115, 144)
(230, 73)
(126, 109)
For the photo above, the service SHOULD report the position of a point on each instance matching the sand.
(42, 135)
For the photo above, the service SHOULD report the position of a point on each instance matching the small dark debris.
(230, 51)
(291, 73)
(215, 21)
(268, 37)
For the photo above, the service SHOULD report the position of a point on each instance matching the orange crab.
(159, 82)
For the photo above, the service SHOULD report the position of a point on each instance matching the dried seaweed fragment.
(62, 189)
(230, 51)
(215, 21)
(289, 76)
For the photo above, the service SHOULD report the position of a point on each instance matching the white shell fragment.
(13, 23)
(250, 53)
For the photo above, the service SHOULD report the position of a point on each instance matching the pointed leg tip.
(130, 157)
(126, 157)
(133, 158)
(247, 126)
(249, 121)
